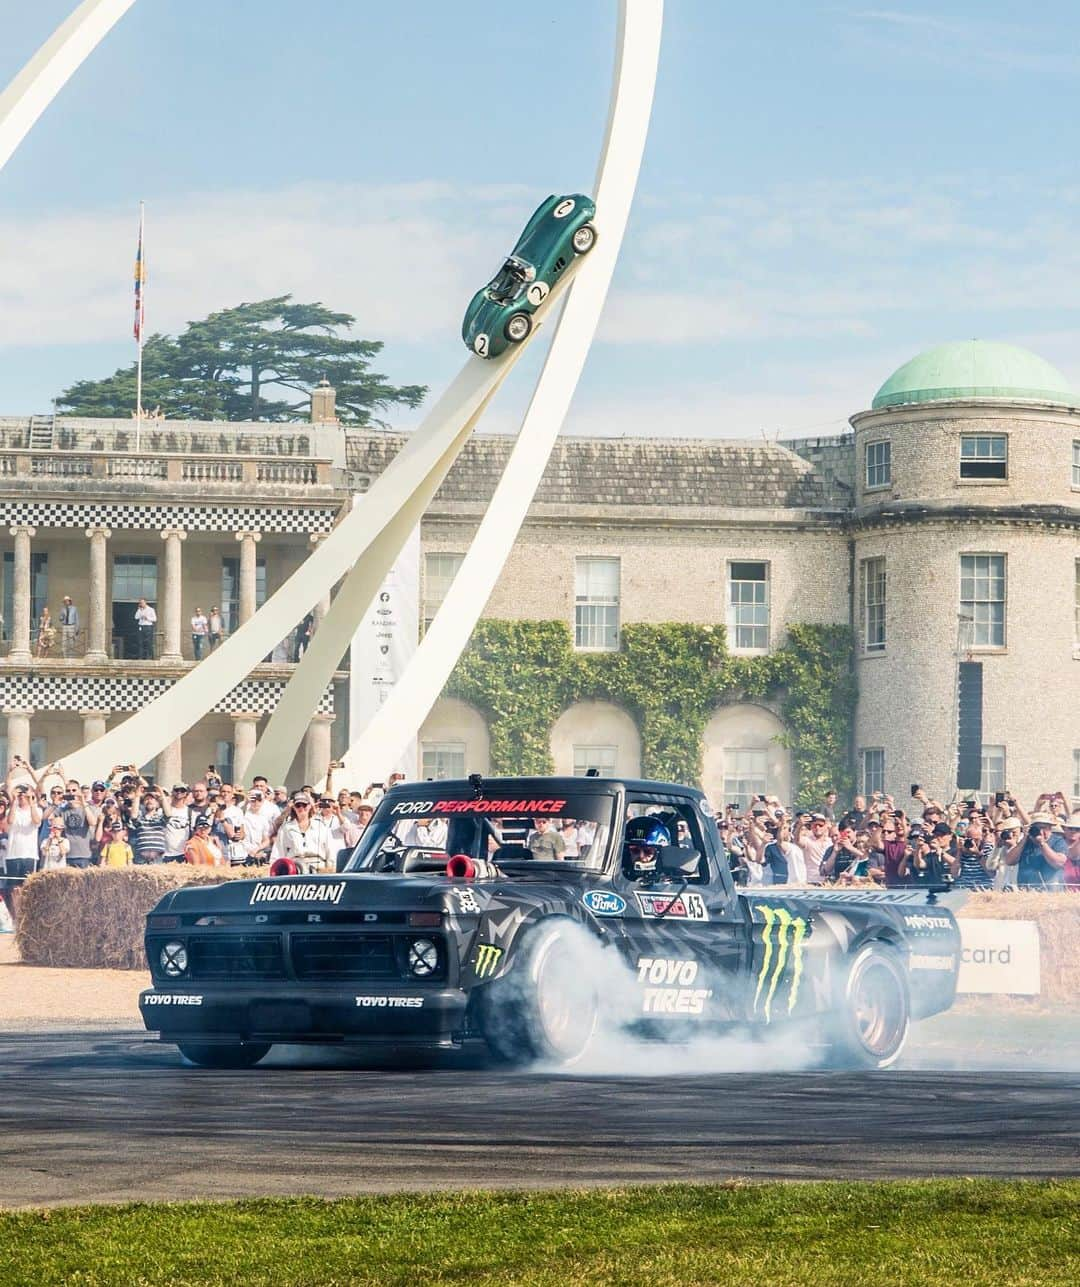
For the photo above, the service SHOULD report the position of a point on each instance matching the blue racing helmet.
(647, 831)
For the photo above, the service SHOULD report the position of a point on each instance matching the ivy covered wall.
(670, 678)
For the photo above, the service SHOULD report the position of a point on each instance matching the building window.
(873, 580)
(600, 758)
(230, 592)
(745, 776)
(878, 464)
(441, 760)
(134, 578)
(439, 571)
(873, 770)
(748, 606)
(1076, 599)
(39, 751)
(984, 456)
(224, 759)
(596, 604)
(992, 777)
(1076, 778)
(39, 592)
(982, 600)
(1076, 465)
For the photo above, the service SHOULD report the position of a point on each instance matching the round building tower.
(966, 547)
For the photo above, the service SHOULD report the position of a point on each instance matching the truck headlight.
(174, 959)
(423, 957)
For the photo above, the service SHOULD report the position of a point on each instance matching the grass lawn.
(932, 1232)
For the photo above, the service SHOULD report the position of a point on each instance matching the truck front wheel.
(546, 1007)
(870, 1026)
(245, 1055)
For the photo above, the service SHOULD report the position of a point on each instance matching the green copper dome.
(975, 369)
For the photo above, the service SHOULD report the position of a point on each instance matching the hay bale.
(1058, 919)
(95, 919)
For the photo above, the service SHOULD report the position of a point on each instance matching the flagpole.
(140, 308)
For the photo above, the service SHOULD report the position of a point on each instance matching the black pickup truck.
(529, 913)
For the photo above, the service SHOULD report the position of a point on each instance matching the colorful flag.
(140, 282)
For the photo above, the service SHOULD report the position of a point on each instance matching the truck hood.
(366, 891)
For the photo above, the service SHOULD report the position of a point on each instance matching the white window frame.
(737, 608)
(993, 770)
(983, 573)
(1076, 778)
(596, 613)
(744, 779)
(442, 747)
(878, 464)
(438, 582)
(985, 449)
(1076, 607)
(1076, 463)
(872, 765)
(601, 758)
(874, 609)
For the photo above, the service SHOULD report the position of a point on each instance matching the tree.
(223, 367)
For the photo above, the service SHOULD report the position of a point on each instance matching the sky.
(828, 189)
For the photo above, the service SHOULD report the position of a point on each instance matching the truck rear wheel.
(245, 1055)
(870, 1027)
(544, 1008)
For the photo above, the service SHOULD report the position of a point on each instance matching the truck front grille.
(344, 956)
(225, 957)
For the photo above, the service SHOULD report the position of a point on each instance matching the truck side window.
(682, 823)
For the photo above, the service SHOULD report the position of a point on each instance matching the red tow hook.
(284, 867)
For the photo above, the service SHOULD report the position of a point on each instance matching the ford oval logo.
(602, 902)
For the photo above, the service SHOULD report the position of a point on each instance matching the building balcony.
(182, 459)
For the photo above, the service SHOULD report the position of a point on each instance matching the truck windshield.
(508, 282)
(409, 835)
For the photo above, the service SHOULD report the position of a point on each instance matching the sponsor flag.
(140, 282)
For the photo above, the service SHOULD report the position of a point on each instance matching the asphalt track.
(105, 1117)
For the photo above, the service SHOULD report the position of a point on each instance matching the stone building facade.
(945, 527)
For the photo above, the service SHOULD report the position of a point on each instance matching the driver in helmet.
(644, 839)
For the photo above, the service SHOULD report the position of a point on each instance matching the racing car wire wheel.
(246, 1055)
(544, 1008)
(871, 1028)
(518, 327)
(584, 239)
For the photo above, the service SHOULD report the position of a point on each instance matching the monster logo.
(487, 960)
(790, 932)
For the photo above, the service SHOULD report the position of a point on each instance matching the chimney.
(324, 403)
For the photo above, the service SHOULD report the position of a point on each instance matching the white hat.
(1072, 822)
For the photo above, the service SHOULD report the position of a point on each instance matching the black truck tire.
(542, 1009)
(870, 1027)
(245, 1055)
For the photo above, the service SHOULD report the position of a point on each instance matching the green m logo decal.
(790, 931)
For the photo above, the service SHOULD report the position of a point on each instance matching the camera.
(999, 797)
(915, 789)
(69, 796)
(1036, 830)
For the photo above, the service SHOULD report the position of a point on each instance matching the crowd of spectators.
(967, 844)
(48, 821)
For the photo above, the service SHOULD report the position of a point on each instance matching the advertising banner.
(383, 646)
(999, 956)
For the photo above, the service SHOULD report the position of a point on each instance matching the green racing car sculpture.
(501, 314)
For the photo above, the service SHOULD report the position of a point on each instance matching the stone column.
(317, 748)
(97, 617)
(171, 597)
(323, 606)
(22, 600)
(248, 541)
(245, 735)
(169, 765)
(93, 725)
(18, 734)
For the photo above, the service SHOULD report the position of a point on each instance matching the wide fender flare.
(502, 934)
